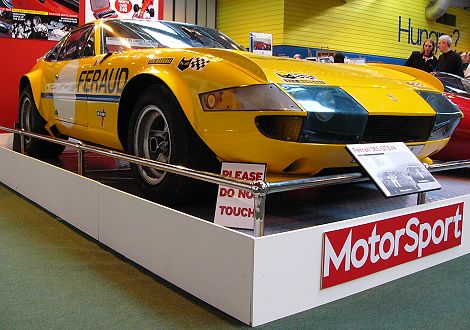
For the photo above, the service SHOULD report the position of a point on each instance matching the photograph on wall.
(394, 168)
(6, 23)
(47, 20)
(261, 43)
(147, 9)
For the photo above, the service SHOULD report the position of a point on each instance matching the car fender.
(175, 84)
(34, 80)
(186, 84)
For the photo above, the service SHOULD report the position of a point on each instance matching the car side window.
(80, 43)
(53, 54)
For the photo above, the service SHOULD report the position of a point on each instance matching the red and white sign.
(354, 252)
(235, 207)
(123, 6)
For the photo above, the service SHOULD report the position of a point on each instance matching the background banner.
(49, 20)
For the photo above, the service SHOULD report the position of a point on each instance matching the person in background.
(425, 59)
(39, 29)
(449, 61)
(465, 57)
(297, 57)
(338, 58)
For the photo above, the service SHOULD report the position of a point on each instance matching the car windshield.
(120, 35)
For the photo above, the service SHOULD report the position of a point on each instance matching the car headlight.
(447, 115)
(246, 98)
(333, 115)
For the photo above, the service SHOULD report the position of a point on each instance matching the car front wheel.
(160, 131)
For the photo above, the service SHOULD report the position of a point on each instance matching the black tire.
(159, 130)
(152, 12)
(136, 8)
(30, 120)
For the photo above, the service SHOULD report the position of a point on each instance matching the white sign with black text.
(394, 168)
(235, 207)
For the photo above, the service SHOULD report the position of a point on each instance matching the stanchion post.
(259, 190)
(421, 198)
(422, 195)
(80, 159)
(22, 149)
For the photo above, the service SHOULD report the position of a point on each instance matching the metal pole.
(259, 190)
(22, 149)
(421, 198)
(80, 159)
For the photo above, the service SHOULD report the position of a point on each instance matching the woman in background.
(425, 59)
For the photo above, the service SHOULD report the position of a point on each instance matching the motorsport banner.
(148, 9)
(49, 20)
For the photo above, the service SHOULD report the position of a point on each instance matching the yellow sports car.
(189, 95)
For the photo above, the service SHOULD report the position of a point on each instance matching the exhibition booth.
(276, 240)
(254, 279)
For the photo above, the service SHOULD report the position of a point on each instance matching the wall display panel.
(385, 30)
(49, 20)
(21, 53)
(148, 9)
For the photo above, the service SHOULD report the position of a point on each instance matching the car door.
(66, 95)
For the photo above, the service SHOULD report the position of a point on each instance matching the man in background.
(449, 61)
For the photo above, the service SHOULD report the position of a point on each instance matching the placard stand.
(394, 169)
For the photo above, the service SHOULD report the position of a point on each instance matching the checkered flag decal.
(198, 63)
(304, 76)
(297, 76)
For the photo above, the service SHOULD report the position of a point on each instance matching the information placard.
(394, 168)
(235, 207)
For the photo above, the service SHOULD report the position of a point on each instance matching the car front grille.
(397, 129)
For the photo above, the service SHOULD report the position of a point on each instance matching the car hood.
(282, 70)
(382, 89)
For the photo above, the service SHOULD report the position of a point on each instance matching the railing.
(260, 189)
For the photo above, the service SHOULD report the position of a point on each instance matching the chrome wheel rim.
(152, 140)
(25, 120)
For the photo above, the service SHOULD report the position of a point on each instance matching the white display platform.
(256, 280)
(6, 140)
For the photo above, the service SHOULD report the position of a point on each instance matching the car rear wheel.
(31, 121)
(159, 131)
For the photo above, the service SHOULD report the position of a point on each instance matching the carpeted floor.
(54, 277)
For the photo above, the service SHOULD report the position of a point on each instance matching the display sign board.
(261, 43)
(37, 19)
(354, 252)
(235, 207)
(393, 168)
(148, 9)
